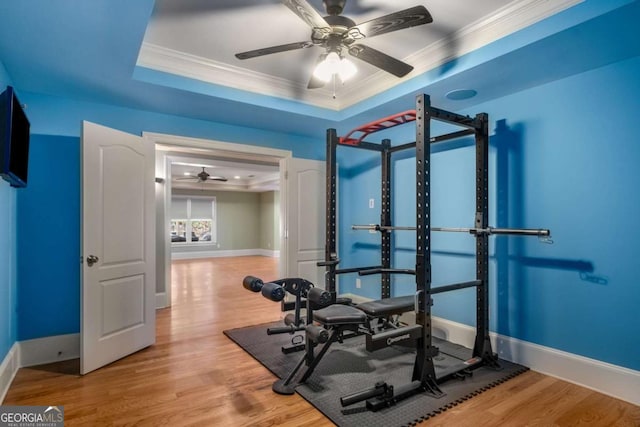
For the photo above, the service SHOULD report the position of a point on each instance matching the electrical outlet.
(358, 283)
(371, 203)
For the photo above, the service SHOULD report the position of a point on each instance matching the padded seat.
(338, 314)
(388, 306)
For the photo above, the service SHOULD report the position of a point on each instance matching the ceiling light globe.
(347, 69)
(327, 68)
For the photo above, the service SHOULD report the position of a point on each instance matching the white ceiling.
(255, 174)
(240, 177)
(198, 39)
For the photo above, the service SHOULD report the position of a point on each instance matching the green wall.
(270, 220)
(238, 221)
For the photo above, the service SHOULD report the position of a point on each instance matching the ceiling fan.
(202, 177)
(338, 34)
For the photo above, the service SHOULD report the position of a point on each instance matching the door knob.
(92, 259)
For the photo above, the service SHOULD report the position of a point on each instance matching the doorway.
(169, 148)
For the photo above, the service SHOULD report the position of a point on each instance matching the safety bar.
(386, 270)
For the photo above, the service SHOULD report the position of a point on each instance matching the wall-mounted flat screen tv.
(14, 139)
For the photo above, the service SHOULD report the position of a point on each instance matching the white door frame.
(206, 147)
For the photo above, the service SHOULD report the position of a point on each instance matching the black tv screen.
(14, 140)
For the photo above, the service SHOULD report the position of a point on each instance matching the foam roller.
(273, 292)
(319, 296)
(252, 283)
(290, 319)
(317, 334)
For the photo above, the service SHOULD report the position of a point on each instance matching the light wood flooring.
(194, 375)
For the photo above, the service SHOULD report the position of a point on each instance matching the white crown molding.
(511, 18)
(207, 70)
(515, 16)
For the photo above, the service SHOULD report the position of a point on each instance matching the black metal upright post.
(423, 369)
(385, 217)
(482, 346)
(330, 251)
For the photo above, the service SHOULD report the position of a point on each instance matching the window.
(193, 220)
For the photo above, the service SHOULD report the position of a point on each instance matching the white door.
(118, 245)
(302, 189)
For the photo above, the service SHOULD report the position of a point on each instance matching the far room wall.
(270, 220)
(245, 221)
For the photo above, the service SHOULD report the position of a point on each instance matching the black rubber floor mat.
(348, 368)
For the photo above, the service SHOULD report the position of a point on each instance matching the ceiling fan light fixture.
(332, 65)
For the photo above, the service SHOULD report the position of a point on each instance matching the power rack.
(424, 376)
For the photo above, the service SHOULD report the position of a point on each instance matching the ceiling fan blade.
(308, 14)
(380, 60)
(217, 178)
(187, 178)
(407, 18)
(273, 49)
(314, 82)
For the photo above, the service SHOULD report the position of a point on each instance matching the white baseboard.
(219, 254)
(8, 369)
(616, 381)
(49, 349)
(268, 253)
(161, 300)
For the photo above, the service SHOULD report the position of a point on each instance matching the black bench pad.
(388, 306)
(338, 314)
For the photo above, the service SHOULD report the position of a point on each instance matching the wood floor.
(194, 375)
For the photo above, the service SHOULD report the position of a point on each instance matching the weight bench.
(386, 312)
(334, 320)
(388, 306)
(389, 332)
(337, 319)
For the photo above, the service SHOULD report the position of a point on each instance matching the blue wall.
(49, 244)
(563, 156)
(8, 317)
